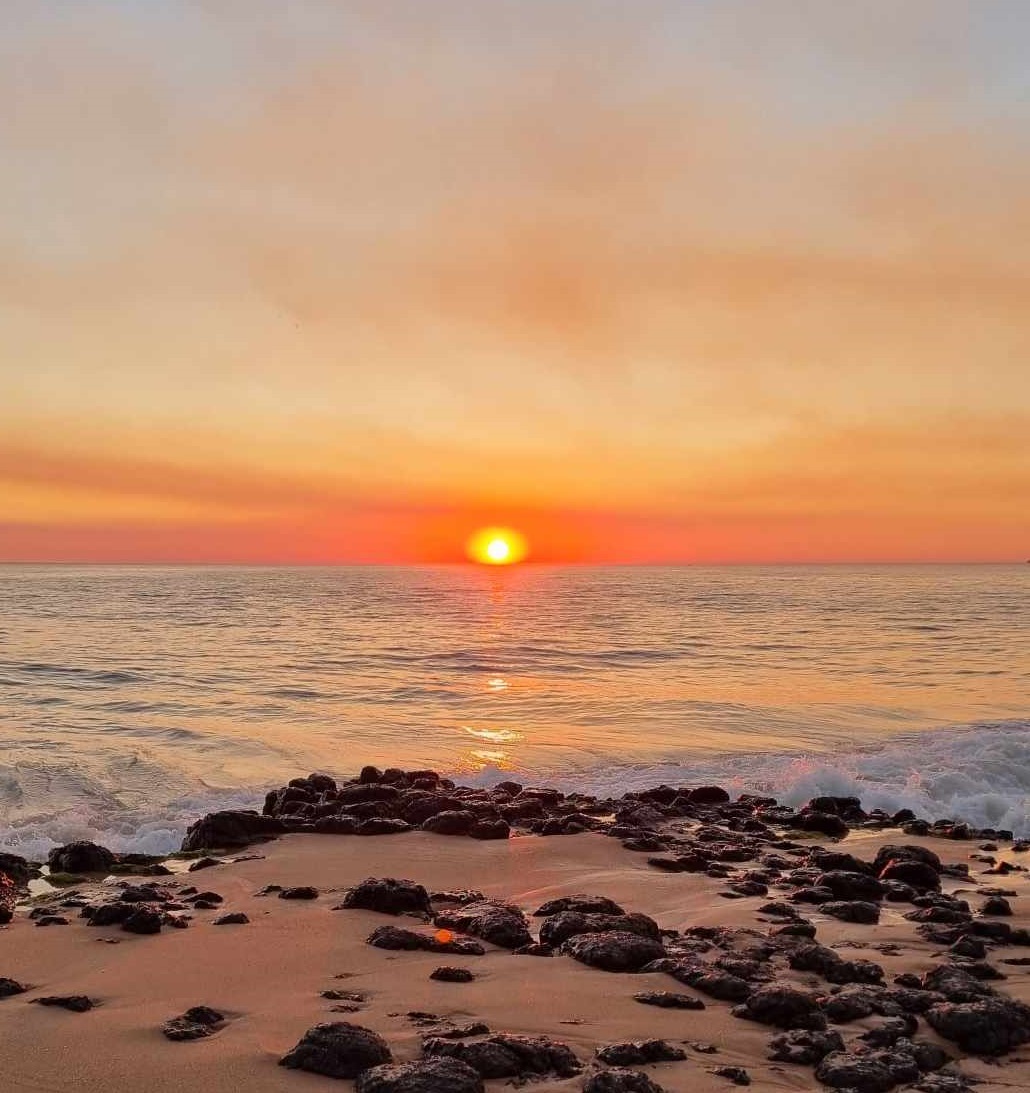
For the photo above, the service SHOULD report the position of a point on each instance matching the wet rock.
(614, 951)
(824, 822)
(304, 891)
(639, 1052)
(234, 918)
(194, 1024)
(433, 1075)
(80, 857)
(858, 911)
(996, 905)
(448, 974)
(620, 1080)
(587, 905)
(389, 896)
(669, 1000)
(560, 927)
(337, 1050)
(382, 825)
(708, 795)
(503, 1055)
(10, 987)
(393, 937)
(337, 825)
(783, 1007)
(486, 828)
(861, 1073)
(450, 823)
(990, 1026)
(499, 923)
(231, 829)
(76, 1003)
(805, 1046)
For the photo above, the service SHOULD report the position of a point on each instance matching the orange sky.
(688, 281)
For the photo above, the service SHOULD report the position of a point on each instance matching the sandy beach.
(267, 976)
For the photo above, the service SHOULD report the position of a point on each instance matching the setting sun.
(497, 546)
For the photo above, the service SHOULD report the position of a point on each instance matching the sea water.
(134, 698)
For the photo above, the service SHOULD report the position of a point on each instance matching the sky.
(698, 281)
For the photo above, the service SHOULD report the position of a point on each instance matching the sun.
(497, 546)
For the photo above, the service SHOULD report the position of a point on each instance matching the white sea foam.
(979, 774)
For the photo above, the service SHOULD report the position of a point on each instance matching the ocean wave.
(976, 773)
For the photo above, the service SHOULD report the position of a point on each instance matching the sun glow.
(497, 546)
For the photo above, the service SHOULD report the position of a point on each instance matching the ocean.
(135, 698)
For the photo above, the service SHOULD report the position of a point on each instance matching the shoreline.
(719, 896)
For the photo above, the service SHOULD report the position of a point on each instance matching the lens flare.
(497, 546)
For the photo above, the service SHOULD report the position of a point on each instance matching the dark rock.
(337, 1050)
(620, 1080)
(906, 852)
(917, 874)
(450, 823)
(17, 868)
(588, 905)
(336, 825)
(990, 1026)
(614, 951)
(639, 1052)
(142, 920)
(560, 927)
(955, 984)
(783, 1007)
(203, 863)
(447, 974)
(736, 1074)
(81, 857)
(194, 1024)
(854, 910)
(388, 895)
(433, 1075)
(503, 1055)
(490, 829)
(10, 987)
(996, 905)
(231, 829)
(382, 825)
(304, 891)
(850, 886)
(77, 1003)
(805, 1046)
(392, 937)
(861, 1073)
(708, 795)
(825, 823)
(534, 949)
(499, 923)
(234, 918)
(669, 1000)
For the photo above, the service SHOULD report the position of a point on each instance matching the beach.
(267, 976)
